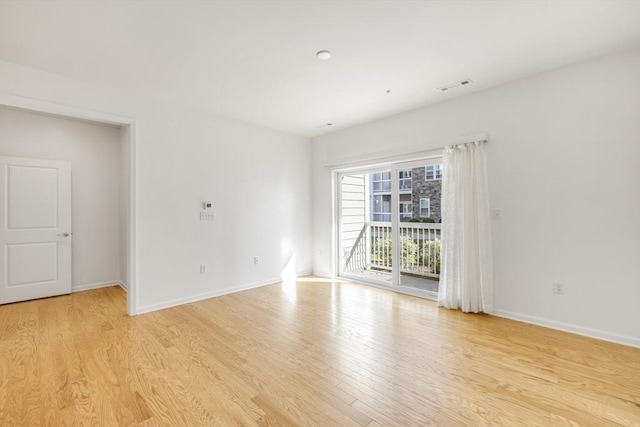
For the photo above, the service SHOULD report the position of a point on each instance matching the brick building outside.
(419, 191)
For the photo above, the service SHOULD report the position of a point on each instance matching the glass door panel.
(419, 189)
(365, 238)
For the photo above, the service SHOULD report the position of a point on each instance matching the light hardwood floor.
(316, 353)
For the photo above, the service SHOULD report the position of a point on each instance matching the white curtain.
(466, 274)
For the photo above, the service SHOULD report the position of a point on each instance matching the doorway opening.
(125, 183)
(389, 225)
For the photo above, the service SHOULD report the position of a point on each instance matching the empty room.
(320, 213)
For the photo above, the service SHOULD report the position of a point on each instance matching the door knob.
(65, 234)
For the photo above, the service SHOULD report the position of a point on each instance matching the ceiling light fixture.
(323, 55)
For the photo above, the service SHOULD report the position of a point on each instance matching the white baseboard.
(323, 275)
(561, 326)
(206, 295)
(304, 273)
(123, 286)
(568, 327)
(88, 286)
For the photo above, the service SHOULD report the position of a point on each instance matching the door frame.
(34, 105)
(338, 259)
(393, 164)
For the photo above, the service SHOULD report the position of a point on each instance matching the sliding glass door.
(389, 226)
(365, 238)
(417, 225)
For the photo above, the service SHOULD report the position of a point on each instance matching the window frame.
(436, 172)
(408, 209)
(405, 175)
(428, 200)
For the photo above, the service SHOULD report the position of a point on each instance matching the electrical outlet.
(203, 269)
(256, 260)
(206, 216)
(558, 288)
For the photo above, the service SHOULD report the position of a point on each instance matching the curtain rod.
(405, 154)
(477, 142)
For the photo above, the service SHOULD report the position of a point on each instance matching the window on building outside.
(433, 172)
(406, 211)
(381, 210)
(381, 181)
(404, 180)
(425, 208)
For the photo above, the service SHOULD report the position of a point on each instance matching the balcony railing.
(419, 249)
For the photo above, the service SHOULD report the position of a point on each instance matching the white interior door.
(35, 230)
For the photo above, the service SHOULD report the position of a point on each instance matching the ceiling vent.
(455, 85)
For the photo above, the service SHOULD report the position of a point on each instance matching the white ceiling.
(255, 60)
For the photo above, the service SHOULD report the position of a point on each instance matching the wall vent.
(454, 85)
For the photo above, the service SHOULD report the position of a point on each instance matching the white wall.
(564, 169)
(258, 180)
(94, 153)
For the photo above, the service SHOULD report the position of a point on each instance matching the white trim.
(324, 275)
(568, 327)
(396, 248)
(123, 286)
(405, 290)
(336, 209)
(533, 320)
(206, 295)
(380, 284)
(416, 292)
(132, 280)
(31, 104)
(304, 273)
(88, 286)
(407, 154)
(37, 105)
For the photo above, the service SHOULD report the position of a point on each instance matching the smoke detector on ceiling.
(454, 85)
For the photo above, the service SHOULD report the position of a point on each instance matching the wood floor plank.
(315, 352)
(20, 368)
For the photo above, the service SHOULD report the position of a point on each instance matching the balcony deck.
(370, 256)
